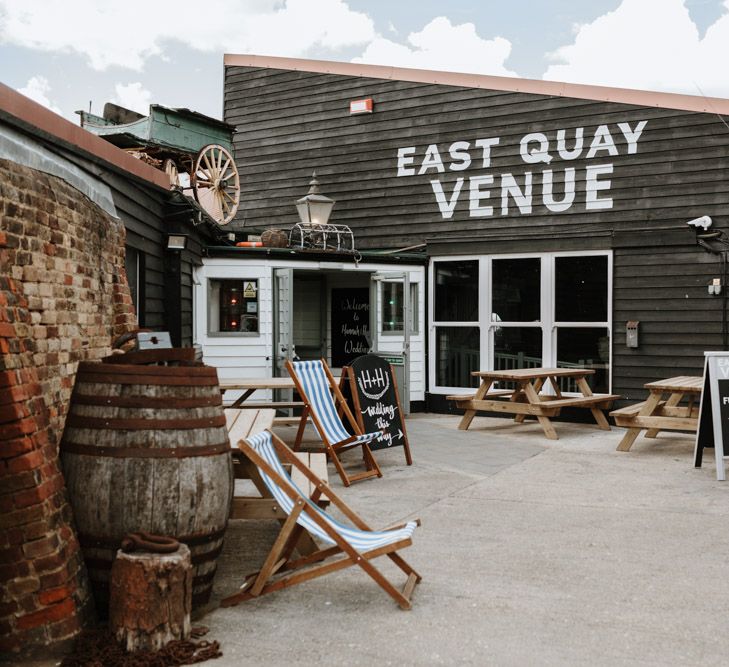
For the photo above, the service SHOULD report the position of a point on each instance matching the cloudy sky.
(71, 54)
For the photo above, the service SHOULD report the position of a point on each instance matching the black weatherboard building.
(552, 214)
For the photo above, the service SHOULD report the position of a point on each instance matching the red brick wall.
(63, 298)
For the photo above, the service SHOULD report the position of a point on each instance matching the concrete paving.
(532, 552)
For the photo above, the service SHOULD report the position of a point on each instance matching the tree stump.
(150, 598)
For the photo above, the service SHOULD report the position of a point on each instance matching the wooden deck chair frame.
(280, 571)
(334, 449)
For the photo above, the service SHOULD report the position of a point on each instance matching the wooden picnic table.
(526, 398)
(656, 414)
(250, 385)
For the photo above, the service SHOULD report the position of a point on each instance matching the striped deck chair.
(344, 545)
(323, 400)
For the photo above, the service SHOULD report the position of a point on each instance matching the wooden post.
(150, 598)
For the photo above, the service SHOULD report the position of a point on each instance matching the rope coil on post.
(141, 541)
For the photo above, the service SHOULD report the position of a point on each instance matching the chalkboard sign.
(713, 428)
(377, 402)
(350, 324)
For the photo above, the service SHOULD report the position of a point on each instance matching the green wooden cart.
(195, 150)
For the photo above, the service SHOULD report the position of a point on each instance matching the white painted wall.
(249, 355)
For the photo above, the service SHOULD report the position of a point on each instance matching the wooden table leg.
(519, 397)
(544, 422)
(468, 415)
(555, 385)
(672, 402)
(302, 426)
(646, 411)
(242, 398)
(600, 418)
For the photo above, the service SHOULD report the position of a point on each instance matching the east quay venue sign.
(490, 193)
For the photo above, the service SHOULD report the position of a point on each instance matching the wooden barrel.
(146, 448)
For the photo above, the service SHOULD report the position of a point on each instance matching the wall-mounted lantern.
(314, 208)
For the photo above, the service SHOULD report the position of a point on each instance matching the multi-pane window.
(233, 306)
(392, 307)
(546, 310)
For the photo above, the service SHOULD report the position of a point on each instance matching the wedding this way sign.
(377, 402)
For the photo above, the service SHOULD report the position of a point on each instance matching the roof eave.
(36, 119)
(643, 98)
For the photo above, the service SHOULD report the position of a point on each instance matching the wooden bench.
(628, 411)
(598, 400)
(548, 406)
(494, 393)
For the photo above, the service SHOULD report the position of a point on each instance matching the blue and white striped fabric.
(316, 387)
(361, 540)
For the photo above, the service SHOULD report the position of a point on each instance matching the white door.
(283, 320)
(391, 317)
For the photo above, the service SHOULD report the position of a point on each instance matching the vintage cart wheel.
(171, 169)
(215, 183)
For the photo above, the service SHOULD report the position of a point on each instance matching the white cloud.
(648, 44)
(133, 96)
(38, 89)
(440, 45)
(109, 32)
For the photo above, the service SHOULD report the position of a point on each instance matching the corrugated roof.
(34, 117)
(644, 98)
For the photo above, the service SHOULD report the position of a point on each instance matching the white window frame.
(433, 324)
(547, 311)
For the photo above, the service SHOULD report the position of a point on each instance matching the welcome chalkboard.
(350, 324)
(713, 430)
(377, 402)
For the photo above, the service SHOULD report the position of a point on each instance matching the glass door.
(516, 322)
(551, 310)
(581, 317)
(393, 325)
(507, 312)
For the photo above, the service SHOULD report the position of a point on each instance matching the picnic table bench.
(526, 398)
(657, 413)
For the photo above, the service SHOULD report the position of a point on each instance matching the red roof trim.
(36, 115)
(644, 98)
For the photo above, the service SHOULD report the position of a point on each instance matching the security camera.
(704, 222)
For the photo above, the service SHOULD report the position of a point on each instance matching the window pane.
(234, 306)
(517, 347)
(456, 291)
(516, 290)
(456, 356)
(585, 348)
(392, 306)
(581, 289)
